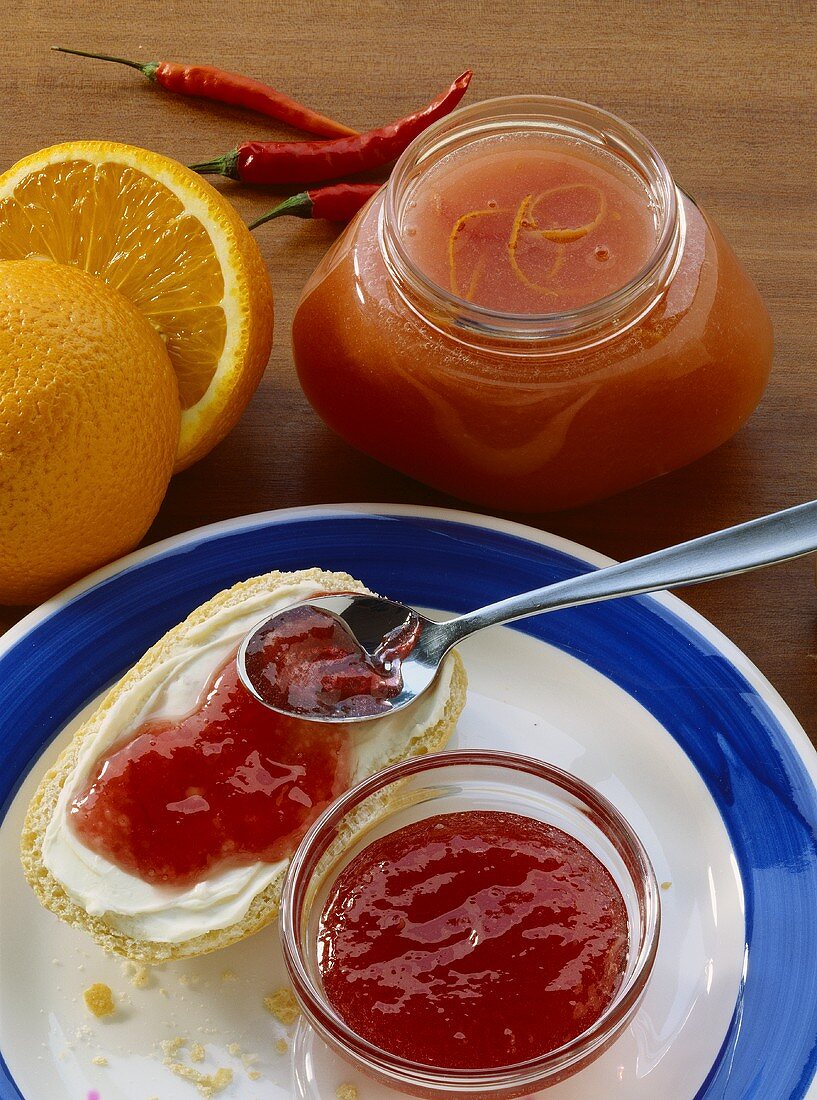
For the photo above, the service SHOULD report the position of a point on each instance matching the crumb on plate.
(283, 1006)
(137, 973)
(347, 1092)
(99, 999)
(197, 1053)
(171, 1047)
(208, 1084)
(100, 1060)
(281, 1046)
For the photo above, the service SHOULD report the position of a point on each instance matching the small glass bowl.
(451, 782)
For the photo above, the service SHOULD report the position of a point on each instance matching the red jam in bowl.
(307, 662)
(229, 784)
(473, 940)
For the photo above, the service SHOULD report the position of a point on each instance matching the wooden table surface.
(725, 90)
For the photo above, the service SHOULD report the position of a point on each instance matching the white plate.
(526, 695)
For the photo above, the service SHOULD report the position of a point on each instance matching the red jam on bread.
(228, 784)
(473, 940)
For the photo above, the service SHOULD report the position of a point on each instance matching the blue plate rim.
(794, 730)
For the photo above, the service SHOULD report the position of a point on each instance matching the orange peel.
(457, 228)
(525, 221)
(476, 275)
(566, 234)
(513, 242)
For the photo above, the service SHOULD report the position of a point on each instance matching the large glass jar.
(533, 412)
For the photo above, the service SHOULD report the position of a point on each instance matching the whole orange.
(89, 425)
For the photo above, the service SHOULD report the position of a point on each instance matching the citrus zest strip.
(459, 224)
(525, 220)
(476, 275)
(566, 234)
(513, 240)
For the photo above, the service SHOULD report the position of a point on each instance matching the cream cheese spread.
(169, 691)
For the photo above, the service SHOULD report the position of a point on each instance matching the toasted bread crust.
(264, 906)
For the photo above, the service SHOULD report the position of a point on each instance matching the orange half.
(170, 243)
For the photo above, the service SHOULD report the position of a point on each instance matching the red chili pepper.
(313, 161)
(338, 203)
(224, 87)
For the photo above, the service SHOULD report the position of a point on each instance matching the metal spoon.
(753, 545)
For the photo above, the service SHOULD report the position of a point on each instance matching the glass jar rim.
(552, 115)
(315, 845)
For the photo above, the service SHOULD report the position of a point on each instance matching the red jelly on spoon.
(306, 661)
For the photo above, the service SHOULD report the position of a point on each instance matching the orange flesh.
(98, 216)
(529, 224)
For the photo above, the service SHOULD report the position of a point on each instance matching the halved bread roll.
(150, 924)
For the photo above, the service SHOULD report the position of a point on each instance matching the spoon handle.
(778, 537)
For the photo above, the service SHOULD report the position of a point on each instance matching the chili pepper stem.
(300, 205)
(148, 68)
(221, 166)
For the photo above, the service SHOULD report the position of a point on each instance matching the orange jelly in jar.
(531, 315)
